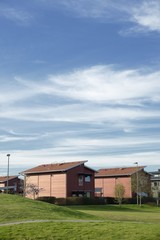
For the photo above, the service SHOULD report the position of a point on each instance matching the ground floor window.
(81, 194)
(98, 192)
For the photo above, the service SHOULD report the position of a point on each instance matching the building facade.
(59, 180)
(14, 184)
(134, 179)
(155, 184)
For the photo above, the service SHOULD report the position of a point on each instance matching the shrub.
(110, 200)
(47, 199)
(60, 201)
(143, 200)
(80, 201)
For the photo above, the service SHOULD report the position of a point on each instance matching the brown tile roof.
(124, 171)
(4, 178)
(53, 167)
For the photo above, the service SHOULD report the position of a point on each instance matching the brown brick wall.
(63, 184)
(108, 185)
(58, 183)
(49, 184)
(73, 183)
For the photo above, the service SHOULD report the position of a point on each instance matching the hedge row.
(91, 201)
(74, 200)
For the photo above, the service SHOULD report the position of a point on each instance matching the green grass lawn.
(119, 223)
(134, 213)
(83, 231)
(16, 208)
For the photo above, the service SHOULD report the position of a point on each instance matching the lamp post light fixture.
(137, 181)
(8, 155)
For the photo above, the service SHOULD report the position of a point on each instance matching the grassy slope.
(16, 208)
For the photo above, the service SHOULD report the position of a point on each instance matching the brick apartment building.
(60, 180)
(14, 184)
(106, 180)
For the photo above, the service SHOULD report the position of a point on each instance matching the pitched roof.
(124, 171)
(155, 172)
(4, 178)
(53, 167)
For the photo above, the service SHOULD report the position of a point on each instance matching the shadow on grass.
(116, 208)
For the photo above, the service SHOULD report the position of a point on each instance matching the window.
(87, 178)
(80, 180)
(98, 192)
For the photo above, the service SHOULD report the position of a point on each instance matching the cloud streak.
(98, 93)
(143, 14)
(48, 155)
(16, 15)
(96, 111)
(101, 84)
(147, 15)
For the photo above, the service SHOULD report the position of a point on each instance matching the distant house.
(61, 180)
(14, 184)
(107, 179)
(155, 184)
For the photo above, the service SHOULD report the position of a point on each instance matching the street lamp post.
(137, 180)
(8, 155)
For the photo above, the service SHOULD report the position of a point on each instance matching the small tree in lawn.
(119, 193)
(32, 189)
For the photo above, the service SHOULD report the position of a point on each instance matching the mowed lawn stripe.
(81, 230)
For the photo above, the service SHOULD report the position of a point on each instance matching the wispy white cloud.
(98, 93)
(103, 84)
(89, 8)
(32, 158)
(78, 113)
(121, 142)
(9, 138)
(143, 14)
(109, 99)
(147, 15)
(15, 14)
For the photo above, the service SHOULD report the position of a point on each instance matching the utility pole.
(137, 181)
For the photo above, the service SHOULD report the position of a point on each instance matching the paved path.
(39, 221)
(73, 221)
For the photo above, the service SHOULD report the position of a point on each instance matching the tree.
(32, 189)
(119, 193)
(141, 183)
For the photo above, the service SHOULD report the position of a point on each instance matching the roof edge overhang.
(53, 171)
(50, 171)
(116, 175)
(125, 174)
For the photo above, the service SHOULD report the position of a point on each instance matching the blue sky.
(80, 80)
